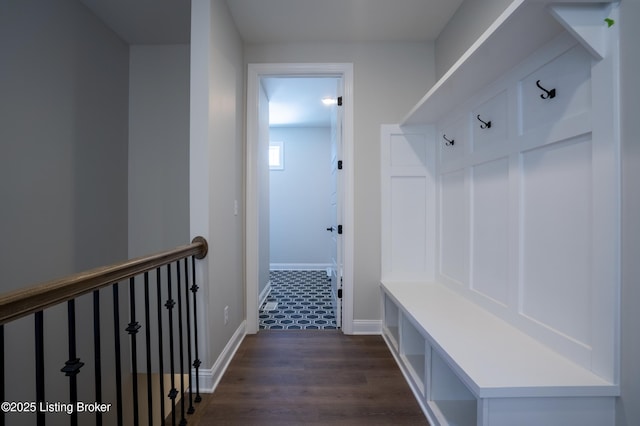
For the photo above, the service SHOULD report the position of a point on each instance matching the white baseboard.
(264, 294)
(367, 327)
(210, 377)
(299, 266)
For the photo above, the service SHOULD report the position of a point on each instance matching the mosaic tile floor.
(299, 300)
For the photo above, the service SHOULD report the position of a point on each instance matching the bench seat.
(492, 358)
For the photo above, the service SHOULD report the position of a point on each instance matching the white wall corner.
(210, 377)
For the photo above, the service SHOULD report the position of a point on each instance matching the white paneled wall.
(490, 203)
(408, 188)
(516, 203)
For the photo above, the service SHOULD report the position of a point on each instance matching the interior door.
(335, 204)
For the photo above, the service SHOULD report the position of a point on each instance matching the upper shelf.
(524, 27)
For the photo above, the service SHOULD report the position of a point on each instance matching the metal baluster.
(97, 354)
(169, 305)
(39, 329)
(2, 396)
(196, 362)
(116, 339)
(160, 348)
(188, 316)
(132, 329)
(183, 421)
(148, 342)
(72, 367)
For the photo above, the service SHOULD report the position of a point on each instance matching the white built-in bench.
(468, 367)
(500, 221)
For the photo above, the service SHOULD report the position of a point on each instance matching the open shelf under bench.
(479, 368)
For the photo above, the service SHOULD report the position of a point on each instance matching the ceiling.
(282, 21)
(285, 21)
(297, 101)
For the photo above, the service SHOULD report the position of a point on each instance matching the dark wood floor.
(311, 378)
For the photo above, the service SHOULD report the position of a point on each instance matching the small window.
(276, 156)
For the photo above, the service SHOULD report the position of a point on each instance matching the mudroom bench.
(466, 366)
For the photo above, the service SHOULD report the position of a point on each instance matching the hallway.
(311, 378)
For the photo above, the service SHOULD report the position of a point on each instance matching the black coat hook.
(449, 142)
(548, 94)
(485, 124)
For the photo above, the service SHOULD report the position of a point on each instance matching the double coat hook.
(548, 94)
(485, 124)
(448, 142)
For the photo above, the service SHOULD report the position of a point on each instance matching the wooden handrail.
(20, 303)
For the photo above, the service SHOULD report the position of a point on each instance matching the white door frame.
(255, 73)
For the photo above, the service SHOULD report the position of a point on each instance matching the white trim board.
(264, 294)
(254, 74)
(367, 327)
(299, 266)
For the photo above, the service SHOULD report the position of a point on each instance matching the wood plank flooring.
(311, 378)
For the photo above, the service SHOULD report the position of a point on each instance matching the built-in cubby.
(449, 399)
(500, 237)
(391, 321)
(412, 352)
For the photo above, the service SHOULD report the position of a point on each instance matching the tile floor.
(299, 300)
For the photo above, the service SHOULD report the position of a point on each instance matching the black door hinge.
(339, 293)
(339, 100)
(339, 164)
(339, 229)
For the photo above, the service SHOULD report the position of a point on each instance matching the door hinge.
(339, 164)
(339, 100)
(339, 229)
(339, 293)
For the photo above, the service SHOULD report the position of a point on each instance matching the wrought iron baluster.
(72, 367)
(2, 397)
(39, 330)
(96, 353)
(169, 305)
(116, 343)
(196, 362)
(191, 410)
(148, 347)
(160, 348)
(132, 329)
(183, 421)
(2, 378)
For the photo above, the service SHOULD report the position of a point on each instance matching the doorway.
(304, 144)
(257, 243)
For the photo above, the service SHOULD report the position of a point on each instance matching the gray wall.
(158, 148)
(300, 196)
(217, 167)
(628, 408)
(63, 130)
(471, 19)
(389, 79)
(158, 163)
(63, 172)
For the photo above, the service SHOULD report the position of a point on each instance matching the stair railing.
(179, 281)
